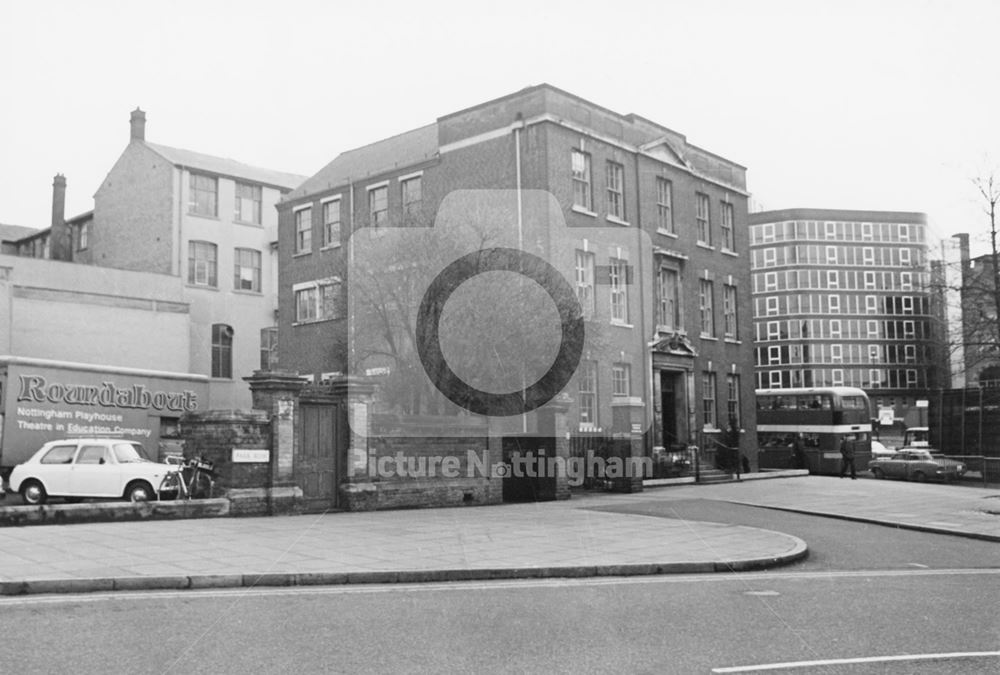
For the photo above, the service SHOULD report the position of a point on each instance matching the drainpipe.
(519, 125)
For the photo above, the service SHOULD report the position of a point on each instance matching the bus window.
(853, 403)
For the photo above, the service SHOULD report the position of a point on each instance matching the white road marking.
(865, 659)
(746, 578)
(762, 593)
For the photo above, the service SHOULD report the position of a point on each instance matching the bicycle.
(193, 478)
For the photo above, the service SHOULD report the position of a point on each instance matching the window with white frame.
(770, 257)
(908, 329)
(618, 287)
(832, 278)
(869, 280)
(910, 353)
(872, 328)
(702, 219)
(767, 232)
(730, 329)
(904, 256)
(904, 233)
(248, 201)
(621, 376)
(269, 348)
(318, 300)
(837, 377)
(378, 205)
(580, 167)
(770, 281)
(906, 281)
(774, 379)
(331, 223)
(831, 230)
(773, 330)
(303, 230)
(871, 304)
(771, 306)
(585, 282)
(708, 414)
(733, 399)
(668, 308)
(203, 260)
(911, 377)
(866, 231)
(246, 272)
(875, 376)
(587, 394)
(203, 197)
(835, 328)
(874, 354)
(222, 351)
(705, 292)
(831, 255)
(615, 182)
(307, 303)
(664, 205)
(836, 353)
(411, 191)
(868, 255)
(833, 304)
(83, 237)
(726, 220)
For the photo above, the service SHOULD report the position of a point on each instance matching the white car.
(86, 468)
(879, 450)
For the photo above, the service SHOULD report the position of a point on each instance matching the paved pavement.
(493, 542)
(931, 507)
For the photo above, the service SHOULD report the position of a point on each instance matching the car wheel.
(919, 476)
(138, 491)
(33, 493)
(878, 473)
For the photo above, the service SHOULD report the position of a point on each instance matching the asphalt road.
(866, 592)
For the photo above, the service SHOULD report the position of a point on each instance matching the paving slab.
(495, 542)
(931, 507)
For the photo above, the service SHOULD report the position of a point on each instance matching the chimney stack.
(138, 122)
(60, 241)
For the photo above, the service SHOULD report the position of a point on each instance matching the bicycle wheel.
(171, 487)
(202, 486)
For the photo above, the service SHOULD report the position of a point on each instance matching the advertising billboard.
(43, 400)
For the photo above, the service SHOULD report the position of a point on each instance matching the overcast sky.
(857, 105)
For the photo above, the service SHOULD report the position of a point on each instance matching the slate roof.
(16, 232)
(406, 149)
(226, 167)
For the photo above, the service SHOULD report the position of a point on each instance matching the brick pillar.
(277, 394)
(552, 422)
(357, 491)
(628, 419)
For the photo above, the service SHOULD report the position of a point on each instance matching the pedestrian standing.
(798, 452)
(847, 458)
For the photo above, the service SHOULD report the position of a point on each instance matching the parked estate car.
(916, 464)
(89, 467)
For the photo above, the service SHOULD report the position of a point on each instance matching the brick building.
(673, 313)
(842, 298)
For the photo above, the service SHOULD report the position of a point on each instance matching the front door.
(320, 452)
(668, 403)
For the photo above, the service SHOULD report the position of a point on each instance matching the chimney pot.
(138, 123)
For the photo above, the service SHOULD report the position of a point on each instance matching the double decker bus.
(804, 428)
